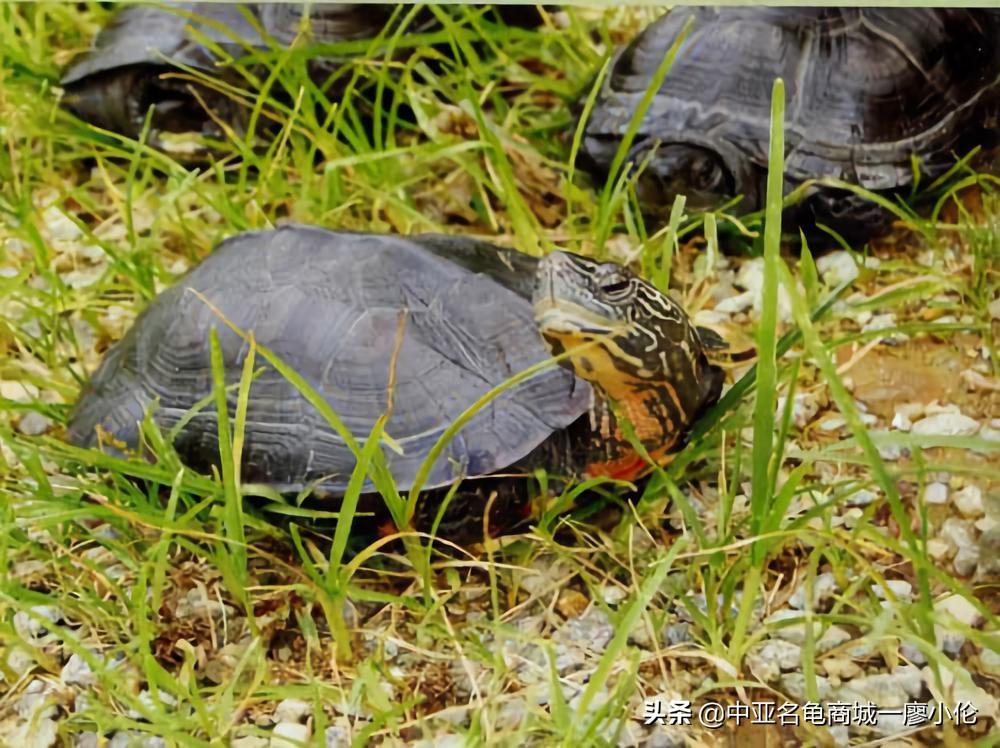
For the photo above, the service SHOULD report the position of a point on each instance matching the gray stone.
(824, 586)
(33, 423)
(946, 424)
(887, 690)
(292, 710)
(833, 637)
(76, 671)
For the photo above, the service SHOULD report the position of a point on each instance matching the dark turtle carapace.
(174, 57)
(431, 324)
(873, 96)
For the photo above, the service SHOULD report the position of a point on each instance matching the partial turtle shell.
(436, 320)
(137, 61)
(114, 85)
(867, 89)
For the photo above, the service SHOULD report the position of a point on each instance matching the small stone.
(959, 534)
(833, 637)
(339, 734)
(959, 608)
(939, 550)
(290, 735)
(76, 671)
(794, 633)
(511, 714)
(837, 267)
(888, 452)
(33, 423)
(769, 658)
(935, 493)
(966, 560)
(804, 407)
(902, 589)
(677, 633)
(912, 654)
(18, 661)
(887, 690)
(639, 636)
(92, 740)
(751, 277)
(58, 225)
(989, 661)
(612, 594)
(959, 688)
(36, 701)
(824, 586)
(901, 422)
(832, 423)
(852, 517)
(969, 501)
(841, 667)
(861, 497)
(794, 684)
(736, 303)
(291, 710)
(880, 322)
(946, 424)
(249, 741)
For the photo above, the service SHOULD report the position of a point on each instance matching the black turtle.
(432, 323)
(140, 59)
(870, 93)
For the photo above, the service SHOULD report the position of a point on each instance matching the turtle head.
(708, 174)
(633, 342)
(695, 172)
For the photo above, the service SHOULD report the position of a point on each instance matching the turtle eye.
(706, 174)
(616, 287)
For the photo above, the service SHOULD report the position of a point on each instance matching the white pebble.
(824, 586)
(901, 422)
(969, 501)
(33, 423)
(249, 741)
(612, 594)
(291, 710)
(58, 225)
(76, 671)
(939, 549)
(902, 589)
(837, 267)
(946, 424)
(861, 497)
(734, 304)
(833, 637)
(795, 632)
(290, 735)
(935, 493)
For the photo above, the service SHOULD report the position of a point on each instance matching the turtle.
(871, 93)
(142, 57)
(421, 328)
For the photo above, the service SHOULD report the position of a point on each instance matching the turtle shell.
(114, 84)
(867, 89)
(443, 318)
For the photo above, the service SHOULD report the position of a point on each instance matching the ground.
(831, 537)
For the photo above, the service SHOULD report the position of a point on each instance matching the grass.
(197, 613)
